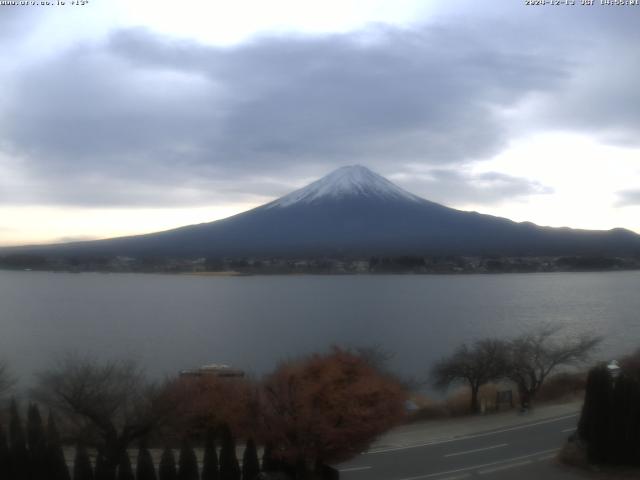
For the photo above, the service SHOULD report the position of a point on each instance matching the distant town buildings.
(415, 264)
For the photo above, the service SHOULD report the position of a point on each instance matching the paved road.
(525, 451)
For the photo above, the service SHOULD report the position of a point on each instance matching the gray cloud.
(459, 188)
(145, 120)
(628, 198)
(14, 19)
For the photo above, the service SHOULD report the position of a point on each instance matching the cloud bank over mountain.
(114, 120)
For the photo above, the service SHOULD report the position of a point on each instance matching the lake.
(172, 322)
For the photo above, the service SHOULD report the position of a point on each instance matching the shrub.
(82, 469)
(18, 445)
(144, 468)
(167, 469)
(210, 470)
(250, 463)
(327, 408)
(188, 463)
(229, 468)
(5, 465)
(56, 462)
(125, 472)
(610, 420)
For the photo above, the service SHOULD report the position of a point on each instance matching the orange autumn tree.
(327, 408)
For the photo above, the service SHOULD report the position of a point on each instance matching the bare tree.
(6, 380)
(482, 362)
(533, 356)
(112, 397)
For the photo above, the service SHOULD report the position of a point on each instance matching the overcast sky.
(130, 116)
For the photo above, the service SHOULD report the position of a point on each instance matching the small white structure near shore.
(213, 370)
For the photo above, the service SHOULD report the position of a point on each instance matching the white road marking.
(546, 457)
(468, 437)
(475, 467)
(476, 450)
(504, 467)
(457, 477)
(569, 429)
(354, 469)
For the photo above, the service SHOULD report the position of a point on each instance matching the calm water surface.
(171, 322)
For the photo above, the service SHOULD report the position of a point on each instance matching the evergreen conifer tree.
(593, 426)
(56, 463)
(188, 463)
(18, 446)
(82, 469)
(210, 469)
(5, 462)
(35, 428)
(229, 468)
(268, 465)
(623, 436)
(250, 463)
(167, 469)
(101, 471)
(271, 464)
(144, 468)
(125, 472)
(37, 444)
(634, 422)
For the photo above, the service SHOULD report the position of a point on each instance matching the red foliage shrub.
(327, 408)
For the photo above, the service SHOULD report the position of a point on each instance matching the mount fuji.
(355, 212)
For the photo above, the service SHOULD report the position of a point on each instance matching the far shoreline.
(236, 274)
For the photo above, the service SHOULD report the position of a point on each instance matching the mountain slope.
(353, 211)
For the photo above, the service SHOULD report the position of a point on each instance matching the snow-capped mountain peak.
(349, 181)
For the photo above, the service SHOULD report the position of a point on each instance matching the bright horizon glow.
(43, 225)
(584, 191)
(228, 23)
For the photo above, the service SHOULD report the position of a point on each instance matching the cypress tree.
(272, 464)
(593, 426)
(188, 463)
(5, 458)
(125, 472)
(167, 470)
(625, 418)
(144, 468)
(634, 423)
(616, 432)
(210, 470)
(101, 472)
(82, 469)
(37, 444)
(18, 446)
(35, 428)
(250, 463)
(229, 468)
(268, 464)
(56, 463)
